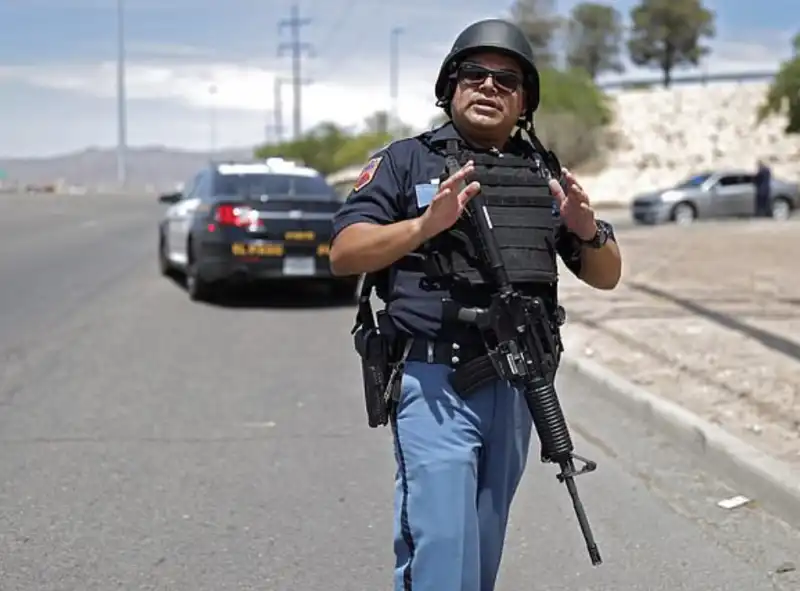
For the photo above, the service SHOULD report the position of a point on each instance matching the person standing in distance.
(762, 181)
(459, 459)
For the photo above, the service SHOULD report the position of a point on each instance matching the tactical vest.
(520, 206)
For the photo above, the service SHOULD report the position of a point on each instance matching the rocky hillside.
(666, 135)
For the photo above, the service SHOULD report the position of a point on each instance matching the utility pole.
(394, 74)
(297, 47)
(278, 108)
(122, 168)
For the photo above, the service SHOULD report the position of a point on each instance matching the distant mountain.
(95, 168)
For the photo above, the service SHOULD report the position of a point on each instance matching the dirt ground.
(708, 317)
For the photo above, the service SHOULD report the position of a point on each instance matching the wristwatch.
(599, 239)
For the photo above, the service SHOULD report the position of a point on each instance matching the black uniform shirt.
(395, 184)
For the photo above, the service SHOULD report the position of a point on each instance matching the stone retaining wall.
(668, 134)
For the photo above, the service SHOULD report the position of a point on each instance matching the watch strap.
(599, 239)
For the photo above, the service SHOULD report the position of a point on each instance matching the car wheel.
(781, 209)
(164, 266)
(684, 214)
(198, 289)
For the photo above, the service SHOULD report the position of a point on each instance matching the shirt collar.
(449, 132)
(446, 133)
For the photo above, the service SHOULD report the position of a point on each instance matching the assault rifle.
(524, 350)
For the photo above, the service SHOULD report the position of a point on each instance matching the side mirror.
(169, 197)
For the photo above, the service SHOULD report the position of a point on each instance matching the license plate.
(299, 235)
(257, 249)
(299, 266)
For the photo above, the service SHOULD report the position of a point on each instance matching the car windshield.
(277, 186)
(694, 181)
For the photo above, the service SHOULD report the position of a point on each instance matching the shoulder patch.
(367, 173)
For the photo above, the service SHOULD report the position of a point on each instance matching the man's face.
(489, 101)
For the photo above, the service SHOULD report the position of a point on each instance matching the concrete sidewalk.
(706, 320)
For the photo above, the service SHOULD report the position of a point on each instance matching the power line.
(297, 47)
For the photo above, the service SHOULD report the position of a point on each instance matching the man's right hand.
(448, 204)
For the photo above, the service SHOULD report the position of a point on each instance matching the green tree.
(572, 116)
(541, 24)
(573, 112)
(382, 122)
(783, 95)
(594, 39)
(329, 148)
(378, 122)
(666, 34)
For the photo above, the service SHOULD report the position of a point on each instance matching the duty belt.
(472, 367)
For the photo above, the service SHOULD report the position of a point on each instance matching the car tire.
(684, 214)
(198, 289)
(781, 209)
(164, 266)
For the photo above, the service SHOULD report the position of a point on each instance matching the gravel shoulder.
(708, 317)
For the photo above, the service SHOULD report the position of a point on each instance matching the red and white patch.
(367, 173)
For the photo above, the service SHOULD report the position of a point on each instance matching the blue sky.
(57, 64)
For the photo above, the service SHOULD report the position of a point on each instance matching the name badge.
(425, 194)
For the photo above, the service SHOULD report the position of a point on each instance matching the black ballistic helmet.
(490, 35)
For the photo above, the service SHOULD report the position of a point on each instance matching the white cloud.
(173, 50)
(171, 103)
(241, 87)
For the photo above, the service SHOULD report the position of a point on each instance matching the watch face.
(600, 238)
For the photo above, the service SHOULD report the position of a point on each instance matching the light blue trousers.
(459, 462)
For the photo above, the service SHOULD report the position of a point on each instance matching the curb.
(773, 483)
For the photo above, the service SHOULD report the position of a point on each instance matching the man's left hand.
(574, 206)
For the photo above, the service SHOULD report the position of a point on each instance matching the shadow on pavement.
(280, 295)
(766, 338)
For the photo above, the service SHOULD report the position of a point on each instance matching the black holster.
(382, 361)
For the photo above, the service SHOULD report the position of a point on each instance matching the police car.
(250, 221)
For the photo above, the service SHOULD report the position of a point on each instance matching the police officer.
(459, 459)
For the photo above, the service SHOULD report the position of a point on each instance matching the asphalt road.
(147, 442)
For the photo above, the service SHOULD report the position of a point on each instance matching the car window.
(732, 180)
(283, 186)
(694, 181)
(189, 187)
(202, 188)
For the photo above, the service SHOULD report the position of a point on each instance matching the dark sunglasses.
(475, 74)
